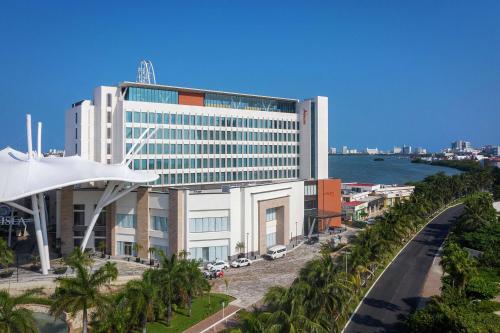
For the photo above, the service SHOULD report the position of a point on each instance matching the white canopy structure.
(30, 174)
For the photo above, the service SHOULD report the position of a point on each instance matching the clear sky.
(417, 72)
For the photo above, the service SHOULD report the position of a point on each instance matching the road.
(397, 292)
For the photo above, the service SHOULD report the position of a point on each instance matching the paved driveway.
(249, 284)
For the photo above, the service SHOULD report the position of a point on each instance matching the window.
(159, 223)
(79, 214)
(310, 190)
(271, 214)
(108, 115)
(101, 220)
(271, 239)
(76, 133)
(126, 220)
(209, 253)
(76, 117)
(108, 132)
(125, 248)
(108, 100)
(159, 248)
(209, 224)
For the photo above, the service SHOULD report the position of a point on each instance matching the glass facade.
(209, 224)
(196, 148)
(126, 220)
(159, 223)
(248, 103)
(152, 95)
(209, 253)
(270, 214)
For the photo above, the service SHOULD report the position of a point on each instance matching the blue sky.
(417, 72)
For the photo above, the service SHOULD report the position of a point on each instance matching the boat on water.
(378, 159)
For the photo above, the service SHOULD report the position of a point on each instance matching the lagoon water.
(393, 170)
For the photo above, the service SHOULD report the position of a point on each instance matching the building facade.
(207, 224)
(322, 204)
(202, 136)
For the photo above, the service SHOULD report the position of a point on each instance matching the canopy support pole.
(43, 222)
(111, 194)
(38, 232)
(21, 208)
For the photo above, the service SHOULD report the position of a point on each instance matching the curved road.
(397, 292)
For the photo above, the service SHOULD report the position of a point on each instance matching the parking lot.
(249, 284)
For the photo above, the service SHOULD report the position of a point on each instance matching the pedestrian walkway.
(208, 324)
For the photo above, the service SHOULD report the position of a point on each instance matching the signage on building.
(5, 210)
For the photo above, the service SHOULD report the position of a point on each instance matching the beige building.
(205, 223)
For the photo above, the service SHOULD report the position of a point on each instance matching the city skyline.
(410, 77)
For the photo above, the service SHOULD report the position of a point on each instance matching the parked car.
(276, 252)
(216, 265)
(241, 262)
(336, 230)
(370, 221)
(213, 274)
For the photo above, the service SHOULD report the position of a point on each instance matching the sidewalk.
(207, 324)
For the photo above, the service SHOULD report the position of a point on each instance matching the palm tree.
(15, 319)
(458, 265)
(83, 291)
(112, 316)
(6, 254)
(79, 257)
(141, 297)
(240, 247)
(169, 279)
(194, 284)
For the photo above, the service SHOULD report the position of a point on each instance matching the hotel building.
(231, 169)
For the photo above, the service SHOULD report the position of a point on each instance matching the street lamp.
(296, 233)
(346, 254)
(247, 245)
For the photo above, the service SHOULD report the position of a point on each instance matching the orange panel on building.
(191, 98)
(330, 199)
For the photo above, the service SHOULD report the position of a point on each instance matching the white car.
(217, 265)
(241, 262)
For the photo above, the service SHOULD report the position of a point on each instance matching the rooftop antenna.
(146, 72)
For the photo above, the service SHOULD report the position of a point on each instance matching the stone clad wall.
(67, 222)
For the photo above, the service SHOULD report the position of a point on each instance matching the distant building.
(354, 210)
(406, 150)
(345, 150)
(372, 151)
(332, 151)
(420, 151)
(461, 146)
(491, 150)
(396, 150)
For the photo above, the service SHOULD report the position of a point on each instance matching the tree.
(141, 296)
(169, 278)
(79, 257)
(6, 254)
(458, 265)
(83, 291)
(240, 247)
(193, 282)
(112, 316)
(13, 318)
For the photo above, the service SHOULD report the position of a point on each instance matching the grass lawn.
(200, 311)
